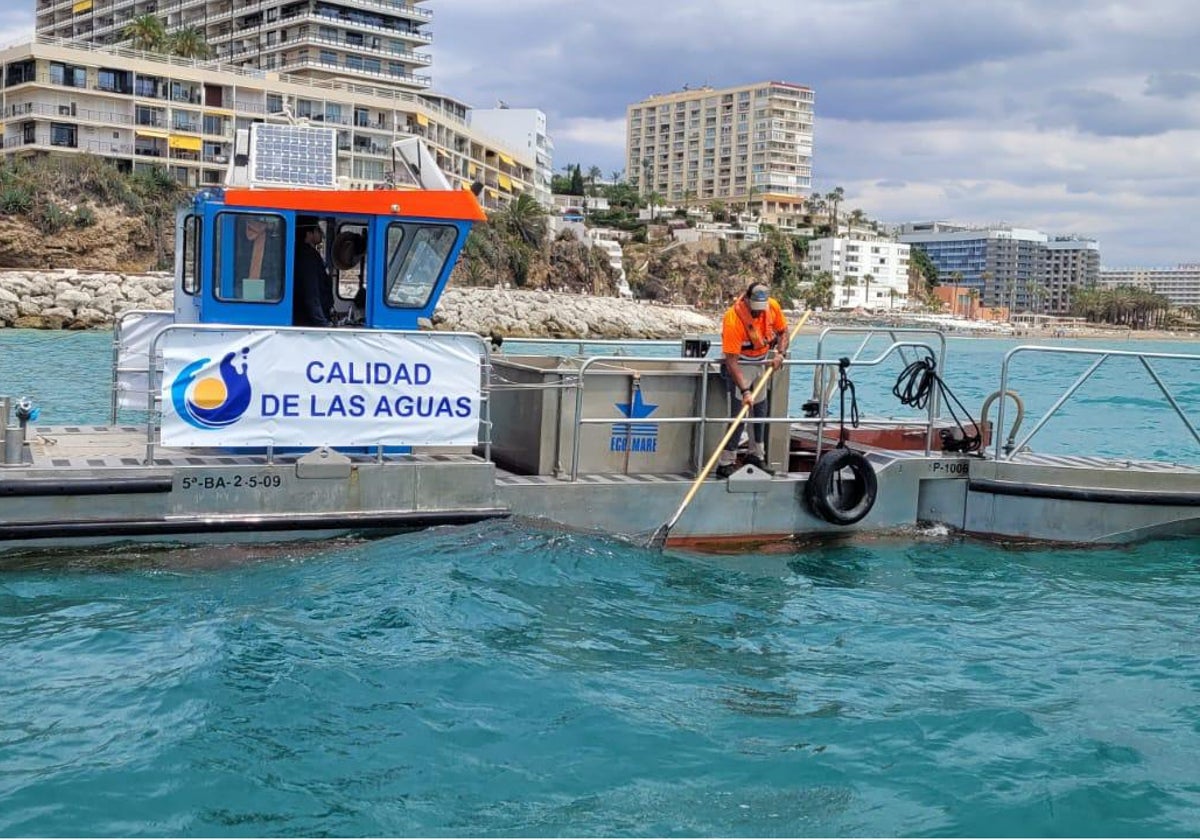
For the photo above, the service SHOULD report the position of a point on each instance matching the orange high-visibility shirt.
(734, 338)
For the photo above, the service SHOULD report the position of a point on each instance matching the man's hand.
(776, 360)
(747, 397)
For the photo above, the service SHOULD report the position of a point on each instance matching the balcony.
(313, 64)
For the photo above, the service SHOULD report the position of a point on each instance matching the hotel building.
(1180, 285)
(319, 61)
(1023, 270)
(746, 146)
(365, 40)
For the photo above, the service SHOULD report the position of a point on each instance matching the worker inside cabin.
(312, 293)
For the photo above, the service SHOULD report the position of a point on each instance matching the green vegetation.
(1129, 306)
(57, 193)
(149, 34)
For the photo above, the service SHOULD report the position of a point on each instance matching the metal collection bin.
(534, 401)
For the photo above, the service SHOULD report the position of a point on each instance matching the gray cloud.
(1173, 85)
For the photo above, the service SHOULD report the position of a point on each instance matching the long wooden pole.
(660, 536)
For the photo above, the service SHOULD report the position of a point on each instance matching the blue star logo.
(638, 408)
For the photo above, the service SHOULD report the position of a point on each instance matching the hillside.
(80, 212)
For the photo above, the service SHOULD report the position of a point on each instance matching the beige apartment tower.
(364, 40)
(748, 146)
(350, 64)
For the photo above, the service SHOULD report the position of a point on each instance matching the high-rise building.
(1071, 263)
(522, 129)
(1023, 270)
(353, 64)
(364, 40)
(1180, 285)
(749, 146)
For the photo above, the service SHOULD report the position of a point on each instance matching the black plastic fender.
(835, 498)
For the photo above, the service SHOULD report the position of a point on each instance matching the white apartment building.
(369, 41)
(142, 110)
(523, 130)
(749, 145)
(867, 273)
(1180, 285)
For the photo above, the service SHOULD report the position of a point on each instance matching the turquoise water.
(500, 679)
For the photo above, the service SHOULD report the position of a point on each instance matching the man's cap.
(303, 223)
(758, 299)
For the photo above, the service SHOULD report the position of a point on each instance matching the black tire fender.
(831, 497)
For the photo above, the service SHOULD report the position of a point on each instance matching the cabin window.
(190, 264)
(250, 258)
(348, 257)
(413, 268)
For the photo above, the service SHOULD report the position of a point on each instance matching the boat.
(249, 427)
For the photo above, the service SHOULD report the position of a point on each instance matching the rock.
(72, 299)
(51, 300)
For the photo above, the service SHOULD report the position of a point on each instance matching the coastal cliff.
(71, 299)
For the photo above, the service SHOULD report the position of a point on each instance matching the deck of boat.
(82, 446)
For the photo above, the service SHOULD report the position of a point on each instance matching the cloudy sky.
(1070, 116)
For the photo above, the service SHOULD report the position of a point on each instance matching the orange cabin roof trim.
(456, 205)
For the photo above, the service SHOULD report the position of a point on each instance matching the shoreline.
(71, 299)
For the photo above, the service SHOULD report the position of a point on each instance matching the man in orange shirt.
(754, 330)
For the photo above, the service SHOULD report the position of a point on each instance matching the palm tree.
(834, 197)
(820, 291)
(816, 205)
(849, 283)
(146, 33)
(525, 217)
(867, 279)
(594, 175)
(892, 298)
(654, 200)
(190, 42)
(618, 175)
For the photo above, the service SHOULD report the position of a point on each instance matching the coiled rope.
(915, 386)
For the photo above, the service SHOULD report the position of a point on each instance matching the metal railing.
(703, 367)
(1101, 357)
(822, 390)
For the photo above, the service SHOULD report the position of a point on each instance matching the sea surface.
(504, 679)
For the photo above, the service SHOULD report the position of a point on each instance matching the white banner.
(296, 388)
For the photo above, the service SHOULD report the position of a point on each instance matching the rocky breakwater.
(73, 299)
(555, 315)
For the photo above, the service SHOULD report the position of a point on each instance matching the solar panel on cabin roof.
(293, 155)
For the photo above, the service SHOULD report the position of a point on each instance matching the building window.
(63, 134)
(330, 57)
(19, 72)
(68, 75)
